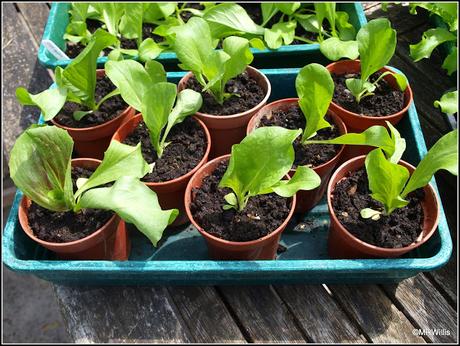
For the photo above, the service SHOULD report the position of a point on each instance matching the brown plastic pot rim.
(385, 117)
(238, 115)
(329, 111)
(189, 173)
(419, 241)
(26, 200)
(188, 192)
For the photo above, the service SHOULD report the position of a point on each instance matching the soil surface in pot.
(185, 151)
(399, 229)
(262, 215)
(63, 227)
(73, 49)
(254, 11)
(109, 110)
(385, 101)
(311, 155)
(250, 94)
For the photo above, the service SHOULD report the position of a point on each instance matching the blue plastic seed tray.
(182, 257)
(285, 56)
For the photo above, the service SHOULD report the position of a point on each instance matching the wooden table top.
(289, 313)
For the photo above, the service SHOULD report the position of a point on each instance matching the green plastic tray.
(285, 56)
(182, 258)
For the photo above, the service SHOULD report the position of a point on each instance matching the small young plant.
(259, 163)
(76, 83)
(315, 88)
(376, 46)
(146, 90)
(195, 49)
(40, 166)
(390, 183)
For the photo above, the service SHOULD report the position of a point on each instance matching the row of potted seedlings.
(269, 160)
(147, 29)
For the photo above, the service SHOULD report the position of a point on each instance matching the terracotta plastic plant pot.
(356, 122)
(306, 200)
(342, 244)
(110, 242)
(170, 193)
(93, 141)
(260, 249)
(227, 130)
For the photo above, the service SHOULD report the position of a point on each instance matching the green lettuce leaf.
(443, 155)
(315, 88)
(119, 160)
(40, 166)
(135, 203)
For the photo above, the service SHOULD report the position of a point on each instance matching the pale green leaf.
(119, 160)
(49, 101)
(430, 40)
(304, 179)
(40, 166)
(149, 50)
(135, 203)
(376, 46)
(386, 180)
(315, 87)
(334, 49)
(443, 155)
(450, 62)
(448, 102)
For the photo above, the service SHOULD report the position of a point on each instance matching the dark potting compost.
(385, 101)
(73, 49)
(185, 151)
(312, 154)
(263, 214)
(248, 94)
(109, 110)
(399, 229)
(63, 227)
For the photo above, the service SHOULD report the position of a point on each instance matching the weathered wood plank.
(36, 15)
(206, 315)
(426, 307)
(121, 314)
(319, 315)
(261, 314)
(378, 317)
(20, 68)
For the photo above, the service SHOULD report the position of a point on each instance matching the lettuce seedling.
(40, 166)
(259, 163)
(146, 90)
(390, 183)
(75, 83)
(376, 46)
(212, 68)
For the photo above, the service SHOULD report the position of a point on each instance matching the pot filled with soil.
(353, 236)
(242, 202)
(252, 234)
(90, 234)
(92, 133)
(227, 122)
(322, 158)
(388, 103)
(188, 150)
(232, 91)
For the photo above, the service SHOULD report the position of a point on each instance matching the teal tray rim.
(56, 7)
(241, 267)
